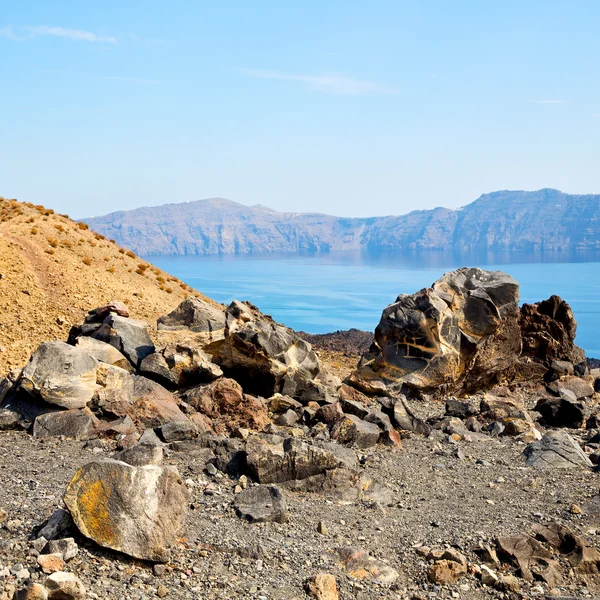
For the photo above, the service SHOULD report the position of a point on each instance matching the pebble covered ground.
(442, 498)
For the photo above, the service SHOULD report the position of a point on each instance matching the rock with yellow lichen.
(139, 511)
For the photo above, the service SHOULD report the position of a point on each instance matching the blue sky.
(345, 107)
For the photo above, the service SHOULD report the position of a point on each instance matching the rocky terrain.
(53, 269)
(544, 220)
(220, 457)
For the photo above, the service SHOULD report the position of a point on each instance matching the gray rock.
(195, 315)
(115, 392)
(103, 352)
(267, 358)
(140, 455)
(74, 423)
(9, 419)
(460, 408)
(380, 419)
(128, 336)
(177, 430)
(287, 460)
(354, 431)
(493, 408)
(261, 504)
(139, 511)
(180, 365)
(61, 375)
(560, 368)
(66, 547)
(404, 418)
(149, 438)
(582, 388)
(288, 419)
(556, 450)
(64, 586)
(59, 522)
(354, 407)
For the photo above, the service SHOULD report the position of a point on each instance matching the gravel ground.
(440, 500)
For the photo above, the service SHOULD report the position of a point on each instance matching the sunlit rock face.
(460, 334)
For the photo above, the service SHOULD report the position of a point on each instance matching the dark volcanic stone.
(261, 504)
(558, 412)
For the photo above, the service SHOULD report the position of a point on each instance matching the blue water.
(326, 292)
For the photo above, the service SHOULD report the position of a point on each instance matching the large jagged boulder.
(268, 358)
(129, 336)
(139, 511)
(61, 375)
(548, 330)
(459, 335)
(194, 315)
(180, 365)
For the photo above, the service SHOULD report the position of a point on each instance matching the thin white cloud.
(331, 83)
(23, 34)
(547, 101)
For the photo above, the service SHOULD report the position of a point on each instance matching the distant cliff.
(545, 220)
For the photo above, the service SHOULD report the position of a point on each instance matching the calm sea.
(325, 292)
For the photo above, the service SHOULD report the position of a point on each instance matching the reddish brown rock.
(51, 563)
(548, 331)
(153, 405)
(224, 402)
(322, 587)
(446, 571)
(97, 315)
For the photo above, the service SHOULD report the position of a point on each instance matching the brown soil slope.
(53, 270)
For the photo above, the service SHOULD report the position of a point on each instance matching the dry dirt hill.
(53, 270)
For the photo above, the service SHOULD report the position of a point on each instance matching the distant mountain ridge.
(543, 220)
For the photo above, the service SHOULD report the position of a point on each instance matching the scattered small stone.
(51, 563)
(322, 587)
(64, 586)
(322, 528)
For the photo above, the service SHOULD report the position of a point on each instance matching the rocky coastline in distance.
(541, 221)
(216, 454)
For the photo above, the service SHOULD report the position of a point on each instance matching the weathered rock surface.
(140, 455)
(556, 450)
(461, 334)
(548, 329)
(135, 510)
(180, 365)
(287, 460)
(354, 431)
(103, 352)
(224, 402)
(128, 336)
(61, 375)
(195, 315)
(152, 405)
(322, 587)
(74, 423)
(64, 586)
(266, 358)
(261, 504)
